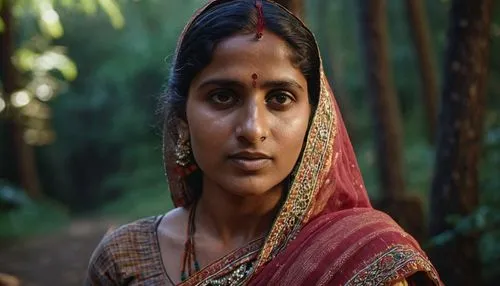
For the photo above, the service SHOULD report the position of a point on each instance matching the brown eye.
(280, 99)
(223, 97)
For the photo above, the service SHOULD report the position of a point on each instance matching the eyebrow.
(286, 83)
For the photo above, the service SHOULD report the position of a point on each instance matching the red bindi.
(254, 80)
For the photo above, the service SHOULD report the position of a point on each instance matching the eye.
(223, 97)
(280, 99)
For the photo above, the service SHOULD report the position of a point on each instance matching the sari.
(326, 231)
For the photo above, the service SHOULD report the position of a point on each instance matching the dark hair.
(221, 22)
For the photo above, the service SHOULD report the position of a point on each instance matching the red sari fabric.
(350, 247)
(326, 232)
(341, 239)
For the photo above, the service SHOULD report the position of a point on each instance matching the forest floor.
(60, 258)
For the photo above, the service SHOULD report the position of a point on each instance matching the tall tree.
(28, 84)
(385, 107)
(388, 133)
(455, 183)
(296, 6)
(421, 38)
(22, 154)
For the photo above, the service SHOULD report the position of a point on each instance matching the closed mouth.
(250, 161)
(245, 155)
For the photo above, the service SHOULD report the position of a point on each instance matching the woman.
(261, 169)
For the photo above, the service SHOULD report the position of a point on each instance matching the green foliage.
(105, 120)
(490, 196)
(107, 156)
(41, 64)
(485, 223)
(48, 18)
(11, 196)
(51, 59)
(33, 218)
(338, 37)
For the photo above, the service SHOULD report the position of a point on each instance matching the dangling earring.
(182, 152)
(185, 166)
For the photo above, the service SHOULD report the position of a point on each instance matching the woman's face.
(247, 114)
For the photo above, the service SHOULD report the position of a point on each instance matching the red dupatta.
(326, 232)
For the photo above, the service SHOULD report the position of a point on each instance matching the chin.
(250, 187)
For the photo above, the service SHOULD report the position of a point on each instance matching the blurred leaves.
(32, 218)
(49, 20)
(88, 6)
(108, 140)
(56, 60)
(113, 11)
(483, 220)
(113, 101)
(338, 38)
(11, 197)
(28, 60)
(40, 62)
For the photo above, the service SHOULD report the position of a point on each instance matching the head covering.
(326, 230)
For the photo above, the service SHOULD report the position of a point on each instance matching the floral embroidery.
(231, 268)
(300, 205)
(398, 261)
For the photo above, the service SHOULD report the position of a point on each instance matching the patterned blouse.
(130, 255)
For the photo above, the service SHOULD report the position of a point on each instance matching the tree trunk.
(420, 34)
(406, 209)
(23, 153)
(295, 6)
(385, 108)
(455, 183)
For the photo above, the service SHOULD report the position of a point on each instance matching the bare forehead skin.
(239, 56)
(269, 46)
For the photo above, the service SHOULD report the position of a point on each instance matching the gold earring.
(183, 152)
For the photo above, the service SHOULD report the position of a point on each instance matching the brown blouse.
(130, 255)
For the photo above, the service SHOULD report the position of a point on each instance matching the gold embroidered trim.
(397, 262)
(228, 265)
(317, 153)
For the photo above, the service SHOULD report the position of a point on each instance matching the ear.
(183, 130)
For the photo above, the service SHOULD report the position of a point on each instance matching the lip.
(250, 155)
(250, 161)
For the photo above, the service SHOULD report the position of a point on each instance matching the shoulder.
(172, 229)
(127, 236)
(381, 249)
(175, 219)
(122, 250)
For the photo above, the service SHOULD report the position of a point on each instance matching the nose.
(253, 126)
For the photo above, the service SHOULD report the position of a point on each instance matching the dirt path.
(57, 259)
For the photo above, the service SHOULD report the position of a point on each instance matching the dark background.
(80, 146)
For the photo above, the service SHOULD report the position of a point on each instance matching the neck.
(236, 220)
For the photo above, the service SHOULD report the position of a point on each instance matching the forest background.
(80, 133)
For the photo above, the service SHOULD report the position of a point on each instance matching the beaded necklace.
(189, 258)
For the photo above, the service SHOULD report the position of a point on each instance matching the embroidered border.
(227, 265)
(317, 153)
(397, 262)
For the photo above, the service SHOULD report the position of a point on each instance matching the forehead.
(242, 55)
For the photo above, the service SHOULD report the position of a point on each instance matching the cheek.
(206, 133)
(290, 136)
